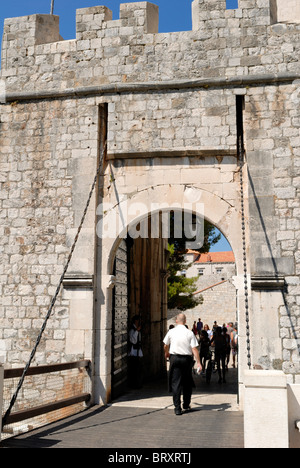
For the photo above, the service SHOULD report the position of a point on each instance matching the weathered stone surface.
(171, 137)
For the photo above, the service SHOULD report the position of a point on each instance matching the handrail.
(47, 408)
(44, 409)
(45, 369)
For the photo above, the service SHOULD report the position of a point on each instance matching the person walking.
(219, 341)
(180, 346)
(135, 355)
(234, 344)
(199, 326)
(228, 346)
(204, 349)
(209, 332)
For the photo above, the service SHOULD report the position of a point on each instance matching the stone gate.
(173, 108)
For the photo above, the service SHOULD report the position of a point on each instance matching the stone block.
(91, 20)
(206, 10)
(39, 29)
(265, 409)
(294, 415)
(284, 266)
(47, 29)
(141, 15)
(285, 11)
(74, 342)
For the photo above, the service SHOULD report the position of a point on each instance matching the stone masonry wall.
(274, 168)
(40, 206)
(219, 305)
(168, 93)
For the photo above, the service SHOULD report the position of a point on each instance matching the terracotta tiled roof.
(216, 257)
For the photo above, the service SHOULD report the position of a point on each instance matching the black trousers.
(135, 372)
(180, 379)
(220, 358)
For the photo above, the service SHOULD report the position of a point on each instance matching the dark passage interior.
(140, 289)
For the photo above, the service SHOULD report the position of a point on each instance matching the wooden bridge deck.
(146, 419)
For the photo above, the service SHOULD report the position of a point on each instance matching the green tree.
(181, 289)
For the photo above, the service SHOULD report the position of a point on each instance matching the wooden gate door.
(120, 323)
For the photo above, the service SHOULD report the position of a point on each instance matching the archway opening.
(142, 268)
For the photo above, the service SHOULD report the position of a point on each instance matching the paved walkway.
(146, 419)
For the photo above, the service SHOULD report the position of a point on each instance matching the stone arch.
(219, 212)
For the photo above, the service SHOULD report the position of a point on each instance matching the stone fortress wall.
(171, 118)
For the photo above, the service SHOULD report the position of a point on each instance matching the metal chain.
(33, 352)
(241, 154)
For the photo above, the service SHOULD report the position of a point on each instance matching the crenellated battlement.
(130, 49)
(143, 17)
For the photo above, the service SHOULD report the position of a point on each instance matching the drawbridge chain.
(33, 352)
(241, 157)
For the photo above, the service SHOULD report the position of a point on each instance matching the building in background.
(215, 272)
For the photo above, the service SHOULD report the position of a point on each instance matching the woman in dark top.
(204, 348)
(220, 343)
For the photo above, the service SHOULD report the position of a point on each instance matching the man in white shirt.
(181, 345)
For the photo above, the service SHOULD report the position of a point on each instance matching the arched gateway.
(141, 205)
(203, 120)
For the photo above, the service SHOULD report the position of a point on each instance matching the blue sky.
(222, 246)
(175, 15)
